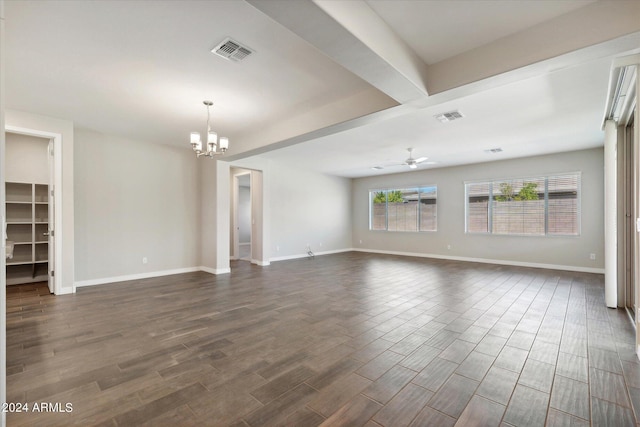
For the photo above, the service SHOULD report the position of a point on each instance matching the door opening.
(247, 217)
(241, 223)
(29, 206)
(243, 215)
(629, 196)
(626, 270)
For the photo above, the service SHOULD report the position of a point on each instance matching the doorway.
(30, 203)
(243, 216)
(247, 215)
(626, 244)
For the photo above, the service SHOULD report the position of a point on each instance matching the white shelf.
(19, 192)
(27, 219)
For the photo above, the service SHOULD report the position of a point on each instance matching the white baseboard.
(139, 276)
(488, 261)
(66, 291)
(105, 280)
(298, 256)
(215, 270)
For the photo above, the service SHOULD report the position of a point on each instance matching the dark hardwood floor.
(341, 340)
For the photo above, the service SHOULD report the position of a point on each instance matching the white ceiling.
(141, 69)
(438, 30)
(555, 112)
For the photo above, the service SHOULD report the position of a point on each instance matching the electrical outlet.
(320, 244)
(592, 257)
(277, 248)
(145, 260)
(360, 241)
(449, 247)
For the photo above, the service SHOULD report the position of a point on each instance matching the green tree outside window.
(527, 192)
(394, 196)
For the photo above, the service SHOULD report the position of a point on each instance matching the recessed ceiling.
(560, 111)
(141, 69)
(438, 30)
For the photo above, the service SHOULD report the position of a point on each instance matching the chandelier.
(212, 139)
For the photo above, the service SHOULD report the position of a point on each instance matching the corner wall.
(299, 207)
(557, 252)
(133, 200)
(308, 208)
(215, 213)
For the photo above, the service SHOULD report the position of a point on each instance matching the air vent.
(493, 150)
(378, 168)
(449, 116)
(232, 50)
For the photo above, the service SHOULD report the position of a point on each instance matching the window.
(529, 206)
(406, 209)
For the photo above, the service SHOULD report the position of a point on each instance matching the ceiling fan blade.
(411, 162)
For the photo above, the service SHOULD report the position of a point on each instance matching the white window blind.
(478, 207)
(404, 209)
(526, 206)
(564, 208)
(518, 207)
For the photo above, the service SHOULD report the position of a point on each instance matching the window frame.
(546, 178)
(373, 191)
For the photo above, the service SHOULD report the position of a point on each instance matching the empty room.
(377, 213)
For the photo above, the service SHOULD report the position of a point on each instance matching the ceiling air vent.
(493, 150)
(449, 116)
(232, 50)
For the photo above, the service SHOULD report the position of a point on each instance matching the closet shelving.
(27, 223)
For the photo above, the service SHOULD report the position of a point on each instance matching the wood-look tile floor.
(341, 340)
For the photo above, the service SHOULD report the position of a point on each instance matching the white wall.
(26, 159)
(570, 252)
(307, 208)
(259, 218)
(133, 200)
(244, 214)
(3, 291)
(215, 215)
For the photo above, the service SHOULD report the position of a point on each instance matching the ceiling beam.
(354, 36)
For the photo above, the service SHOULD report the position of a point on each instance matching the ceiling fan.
(411, 162)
